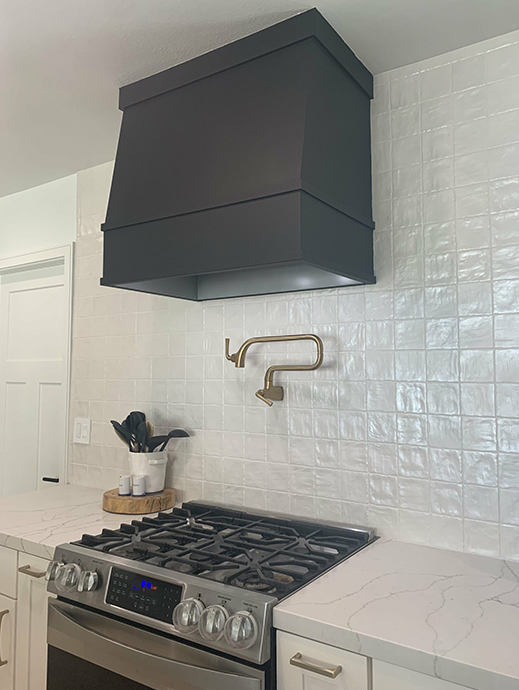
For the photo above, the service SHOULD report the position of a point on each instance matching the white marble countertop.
(37, 522)
(447, 614)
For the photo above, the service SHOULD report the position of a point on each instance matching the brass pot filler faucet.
(271, 392)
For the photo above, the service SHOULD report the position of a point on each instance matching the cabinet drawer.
(301, 664)
(390, 677)
(8, 571)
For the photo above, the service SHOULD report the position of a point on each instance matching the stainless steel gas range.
(183, 601)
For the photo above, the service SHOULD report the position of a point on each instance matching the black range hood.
(245, 171)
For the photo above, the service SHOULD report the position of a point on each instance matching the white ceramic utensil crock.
(152, 466)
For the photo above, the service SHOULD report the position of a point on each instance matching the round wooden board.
(138, 505)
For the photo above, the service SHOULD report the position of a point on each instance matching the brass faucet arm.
(239, 357)
(270, 391)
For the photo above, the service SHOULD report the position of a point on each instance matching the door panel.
(301, 664)
(35, 301)
(7, 629)
(35, 321)
(17, 439)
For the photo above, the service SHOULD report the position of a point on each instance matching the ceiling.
(62, 61)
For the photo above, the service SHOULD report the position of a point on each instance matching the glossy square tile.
(408, 304)
(468, 72)
(443, 398)
(446, 498)
(445, 465)
(477, 399)
(413, 461)
(410, 365)
(509, 471)
(480, 468)
(410, 397)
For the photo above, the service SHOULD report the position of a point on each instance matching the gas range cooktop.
(204, 572)
(256, 552)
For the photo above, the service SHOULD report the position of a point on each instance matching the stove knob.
(88, 581)
(187, 615)
(212, 622)
(67, 577)
(241, 630)
(52, 570)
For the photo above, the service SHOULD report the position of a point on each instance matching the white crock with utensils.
(153, 467)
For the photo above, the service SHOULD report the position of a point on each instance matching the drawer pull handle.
(3, 662)
(297, 660)
(26, 570)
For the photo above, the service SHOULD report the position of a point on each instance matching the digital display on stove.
(149, 597)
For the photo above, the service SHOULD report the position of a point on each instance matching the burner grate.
(265, 554)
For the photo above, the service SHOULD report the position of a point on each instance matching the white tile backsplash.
(412, 424)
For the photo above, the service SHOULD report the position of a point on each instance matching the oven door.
(89, 651)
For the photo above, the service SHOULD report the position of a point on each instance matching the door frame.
(24, 261)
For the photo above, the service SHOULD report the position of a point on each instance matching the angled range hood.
(245, 171)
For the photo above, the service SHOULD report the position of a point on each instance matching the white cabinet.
(31, 624)
(307, 665)
(7, 631)
(390, 677)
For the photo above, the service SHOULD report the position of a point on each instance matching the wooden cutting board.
(138, 505)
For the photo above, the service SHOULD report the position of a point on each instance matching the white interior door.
(35, 318)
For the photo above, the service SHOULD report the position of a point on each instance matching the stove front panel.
(210, 593)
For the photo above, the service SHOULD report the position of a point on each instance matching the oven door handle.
(114, 645)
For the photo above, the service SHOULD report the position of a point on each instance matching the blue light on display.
(145, 585)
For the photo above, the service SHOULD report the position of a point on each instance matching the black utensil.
(174, 433)
(154, 442)
(140, 436)
(133, 420)
(123, 433)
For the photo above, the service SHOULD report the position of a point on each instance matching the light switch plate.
(81, 430)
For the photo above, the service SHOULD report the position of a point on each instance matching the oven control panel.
(144, 595)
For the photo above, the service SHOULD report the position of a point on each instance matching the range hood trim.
(300, 186)
(301, 27)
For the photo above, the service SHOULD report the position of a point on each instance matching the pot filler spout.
(246, 171)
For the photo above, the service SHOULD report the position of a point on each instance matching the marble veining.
(37, 522)
(447, 614)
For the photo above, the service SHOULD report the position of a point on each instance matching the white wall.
(39, 218)
(412, 425)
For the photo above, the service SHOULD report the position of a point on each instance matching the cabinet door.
(7, 628)
(390, 677)
(31, 624)
(307, 665)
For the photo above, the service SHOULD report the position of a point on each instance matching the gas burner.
(273, 555)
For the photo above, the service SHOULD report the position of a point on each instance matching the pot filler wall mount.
(270, 392)
(246, 171)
